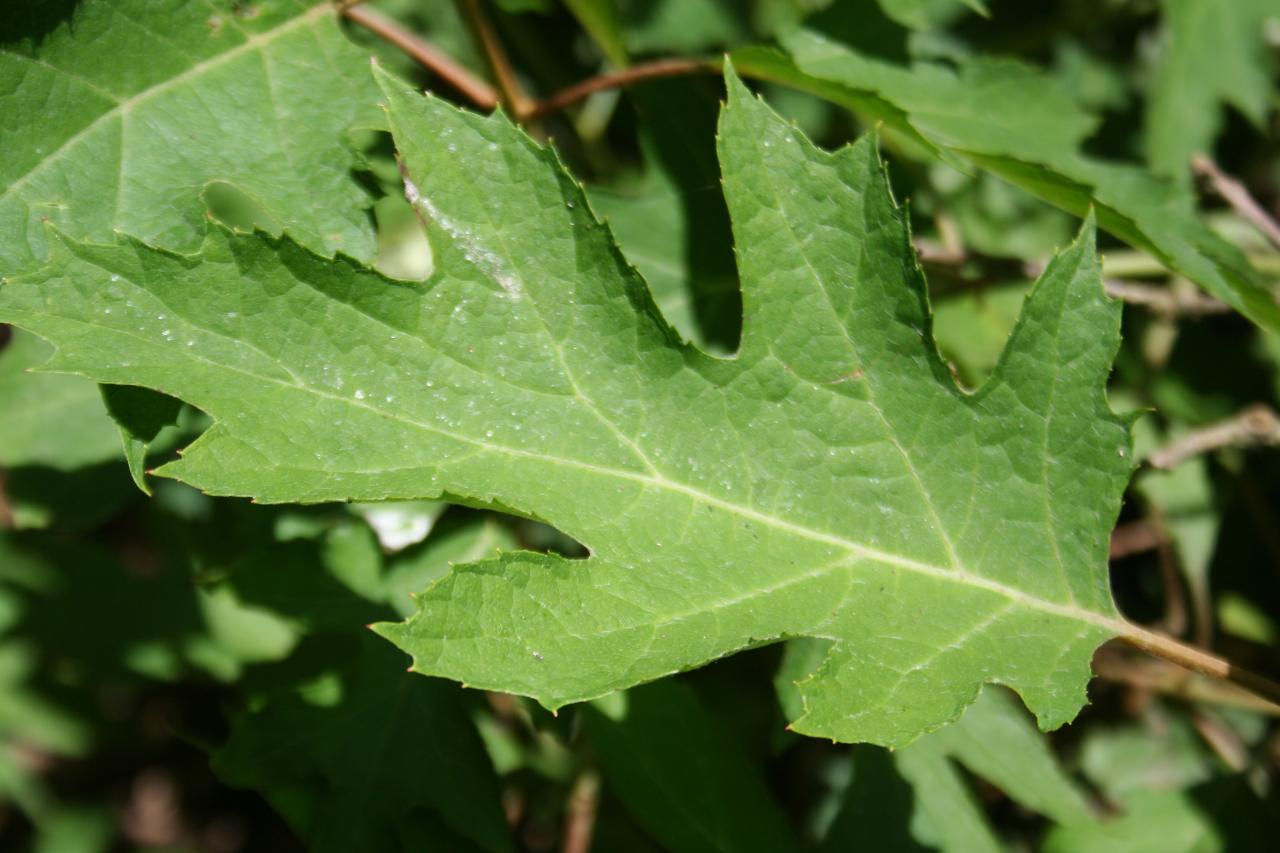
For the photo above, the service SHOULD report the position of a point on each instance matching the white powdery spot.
(411, 192)
(510, 285)
(489, 263)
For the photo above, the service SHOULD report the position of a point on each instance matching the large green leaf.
(828, 481)
(129, 114)
(1007, 118)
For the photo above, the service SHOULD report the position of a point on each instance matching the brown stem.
(1162, 300)
(1180, 604)
(1223, 741)
(580, 823)
(1266, 523)
(673, 67)
(1135, 537)
(1235, 194)
(1255, 425)
(1175, 602)
(513, 96)
(1198, 660)
(1202, 612)
(1151, 534)
(6, 511)
(429, 56)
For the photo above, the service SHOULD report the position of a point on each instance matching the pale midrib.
(124, 106)
(1051, 518)
(662, 482)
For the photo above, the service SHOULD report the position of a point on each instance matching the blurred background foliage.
(181, 672)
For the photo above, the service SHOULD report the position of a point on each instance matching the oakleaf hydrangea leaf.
(130, 115)
(830, 480)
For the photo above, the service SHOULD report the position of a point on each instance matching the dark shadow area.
(77, 500)
(359, 754)
(680, 119)
(878, 806)
(864, 27)
(1246, 823)
(34, 19)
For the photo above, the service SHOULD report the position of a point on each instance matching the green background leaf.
(1005, 117)
(250, 100)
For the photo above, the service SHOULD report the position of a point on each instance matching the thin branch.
(1162, 300)
(1200, 607)
(6, 511)
(673, 67)
(1254, 426)
(1223, 741)
(1157, 676)
(1175, 600)
(1235, 194)
(1198, 660)
(580, 821)
(1150, 534)
(513, 96)
(1262, 514)
(1130, 263)
(1136, 537)
(940, 255)
(429, 56)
